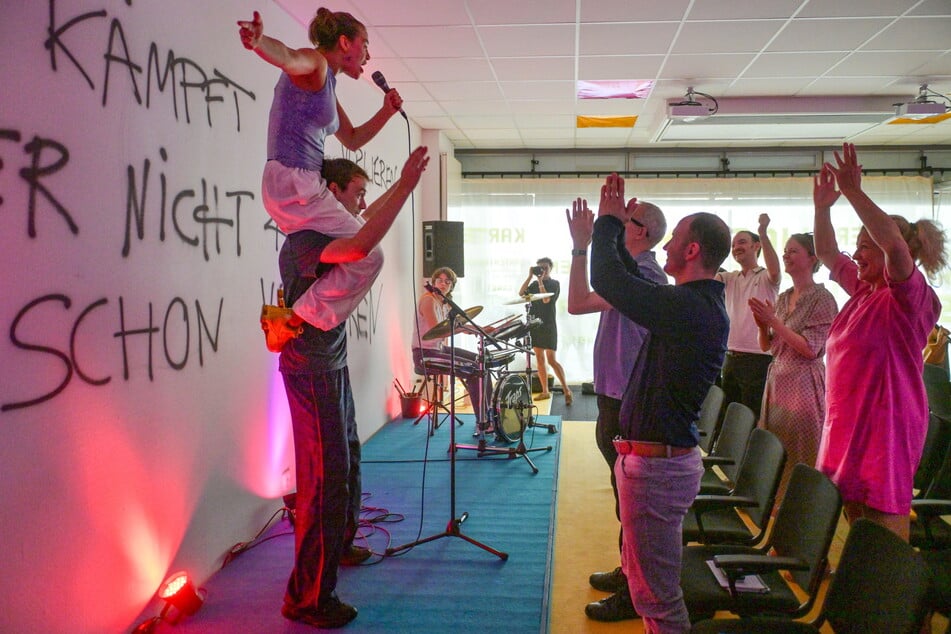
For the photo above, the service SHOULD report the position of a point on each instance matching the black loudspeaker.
(442, 246)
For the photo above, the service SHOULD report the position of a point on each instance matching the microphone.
(380, 81)
(432, 289)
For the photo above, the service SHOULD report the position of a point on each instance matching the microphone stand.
(453, 527)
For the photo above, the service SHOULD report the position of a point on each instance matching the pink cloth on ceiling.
(876, 405)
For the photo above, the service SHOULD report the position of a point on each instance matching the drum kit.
(512, 401)
(507, 412)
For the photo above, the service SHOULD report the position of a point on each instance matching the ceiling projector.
(920, 109)
(688, 111)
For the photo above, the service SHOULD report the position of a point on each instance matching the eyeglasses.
(641, 225)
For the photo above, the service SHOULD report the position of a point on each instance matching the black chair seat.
(930, 533)
(704, 596)
(797, 549)
(720, 526)
(882, 585)
(712, 484)
(714, 519)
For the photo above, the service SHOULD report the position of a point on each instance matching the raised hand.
(824, 193)
(763, 223)
(580, 223)
(848, 172)
(612, 198)
(251, 32)
(414, 166)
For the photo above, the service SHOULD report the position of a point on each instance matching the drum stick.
(399, 387)
(498, 321)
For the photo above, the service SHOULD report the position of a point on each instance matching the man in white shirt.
(744, 370)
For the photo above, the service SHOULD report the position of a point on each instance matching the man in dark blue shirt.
(658, 467)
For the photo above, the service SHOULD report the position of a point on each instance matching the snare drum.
(432, 361)
(512, 403)
(499, 358)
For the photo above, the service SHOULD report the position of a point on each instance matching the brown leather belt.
(649, 449)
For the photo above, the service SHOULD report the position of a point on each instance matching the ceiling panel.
(827, 35)
(498, 73)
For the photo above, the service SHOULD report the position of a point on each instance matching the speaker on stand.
(443, 246)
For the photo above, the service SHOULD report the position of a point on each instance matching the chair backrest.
(940, 486)
(805, 525)
(937, 443)
(928, 530)
(938, 388)
(709, 422)
(738, 422)
(759, 475)
(880, 585)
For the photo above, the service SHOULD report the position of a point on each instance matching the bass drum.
(512, 404)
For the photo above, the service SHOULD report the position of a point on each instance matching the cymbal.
(528, 298)
(444, 328)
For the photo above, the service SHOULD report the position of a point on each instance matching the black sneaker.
(332, 613)
(608, 581)
(354, 555)
(617, 607)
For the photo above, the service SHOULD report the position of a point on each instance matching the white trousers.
(298, 200)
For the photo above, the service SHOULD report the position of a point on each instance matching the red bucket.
(411, 404)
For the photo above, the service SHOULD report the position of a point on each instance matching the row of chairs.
(792, 556)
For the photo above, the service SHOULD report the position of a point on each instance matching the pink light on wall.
(400, 358)
(267, 448)
(134, 496)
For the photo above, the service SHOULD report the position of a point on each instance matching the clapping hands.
(764, 313)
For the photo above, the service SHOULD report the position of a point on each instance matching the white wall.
(145, 423)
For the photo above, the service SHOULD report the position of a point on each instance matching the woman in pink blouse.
(876, 407)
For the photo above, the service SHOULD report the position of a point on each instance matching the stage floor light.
(179, 592)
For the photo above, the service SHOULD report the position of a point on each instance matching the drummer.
(432, 310)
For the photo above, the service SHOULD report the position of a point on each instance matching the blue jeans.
(327, 454)
(654, 495)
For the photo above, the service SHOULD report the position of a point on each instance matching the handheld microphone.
(432, 289)
(380, 81)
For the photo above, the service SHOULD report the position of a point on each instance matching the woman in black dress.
(545, 335)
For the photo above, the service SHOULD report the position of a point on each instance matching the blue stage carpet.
(445, 585)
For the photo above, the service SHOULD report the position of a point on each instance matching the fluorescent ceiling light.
(752, 128)
(615, 89)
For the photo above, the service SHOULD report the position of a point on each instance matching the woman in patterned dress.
(794, 332)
